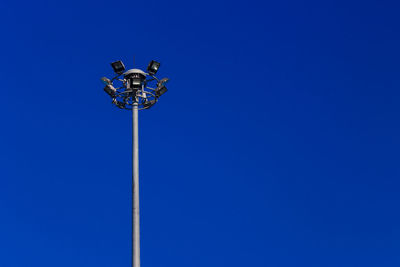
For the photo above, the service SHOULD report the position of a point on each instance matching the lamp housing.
(161, 90)
(110, 90)
(149, 104)
(120, 104)
(153, 66)
(105, 80)
(162, 81)
(118, 67)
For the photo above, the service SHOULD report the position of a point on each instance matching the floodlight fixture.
(118, 67)
(161, 90)
(110, 90)
(120, 104)
(105, 80)
(149, 104)
(135, 86)
(162, 81)
(153, 66)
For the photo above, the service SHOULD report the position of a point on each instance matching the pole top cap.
(135, 71)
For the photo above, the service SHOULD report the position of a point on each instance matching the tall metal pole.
(135, 93)
(135, 188)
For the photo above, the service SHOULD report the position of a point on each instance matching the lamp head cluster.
(136, 87)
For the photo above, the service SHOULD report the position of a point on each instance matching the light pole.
(137, 90)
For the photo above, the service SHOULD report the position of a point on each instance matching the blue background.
(277, 143)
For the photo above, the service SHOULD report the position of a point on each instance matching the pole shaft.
(135, 188)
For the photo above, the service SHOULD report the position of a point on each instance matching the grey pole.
(125, 97)
(135, 188)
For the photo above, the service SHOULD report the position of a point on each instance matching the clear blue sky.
(276, 145)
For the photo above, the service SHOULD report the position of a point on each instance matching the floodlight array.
(135, 86)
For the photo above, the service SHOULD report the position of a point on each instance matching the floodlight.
(106, 81)
(118, 67)
(161, 90)
(149, 104)
(110, 90)
(120, 104)
(162, 81)
(135, 88)
(153, 66)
